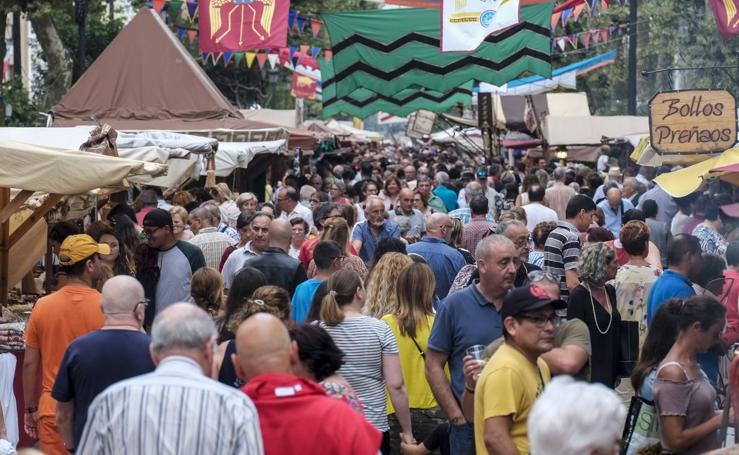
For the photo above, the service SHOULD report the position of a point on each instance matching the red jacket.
(296, 416)
(730, 299)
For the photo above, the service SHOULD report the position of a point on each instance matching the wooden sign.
(421, 123)
(692, 121)
(485, 111)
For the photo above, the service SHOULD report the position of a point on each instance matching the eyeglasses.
(447, 226)
(540, 321)
(522, 242)
(147, 233)
(144, 302)
(538, 275)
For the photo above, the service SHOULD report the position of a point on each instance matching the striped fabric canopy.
(387, 51)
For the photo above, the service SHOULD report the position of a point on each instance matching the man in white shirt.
(536, 211)
(259, 227)
(288, 201)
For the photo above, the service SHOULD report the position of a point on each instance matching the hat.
(527, 298)
(158, 218)
(75, 248)
(482, 174)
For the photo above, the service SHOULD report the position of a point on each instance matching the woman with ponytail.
(684, 397)
(371, 360)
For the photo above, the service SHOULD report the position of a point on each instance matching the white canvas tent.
(238, 155)
(568, 130)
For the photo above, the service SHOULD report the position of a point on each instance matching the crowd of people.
(405, 301)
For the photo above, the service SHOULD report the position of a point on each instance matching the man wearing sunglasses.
(118, 351)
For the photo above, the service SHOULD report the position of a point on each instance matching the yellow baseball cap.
(78, 247)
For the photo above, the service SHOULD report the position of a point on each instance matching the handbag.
(641, 430)
(628, 348)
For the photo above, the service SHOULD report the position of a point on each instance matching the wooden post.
(4, 248)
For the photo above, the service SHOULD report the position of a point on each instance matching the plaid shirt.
(213, 244)
(474, 231)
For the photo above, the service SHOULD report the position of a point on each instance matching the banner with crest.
(239, 25)
(466, 23)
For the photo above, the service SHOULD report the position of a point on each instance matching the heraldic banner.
(303, 87)
(239, 25)
(727, 17)
(466, 23)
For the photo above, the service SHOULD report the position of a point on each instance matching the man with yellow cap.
(56, 320)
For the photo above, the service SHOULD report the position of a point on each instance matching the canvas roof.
(145, 79)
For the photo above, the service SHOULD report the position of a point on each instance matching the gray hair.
(442, 178)
(486, 245)
(504, 225)
(306, 191)
(594, 425)
(560, 173)
(182, 326)
(472, 190)
(371, 199)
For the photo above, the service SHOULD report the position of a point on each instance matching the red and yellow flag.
(727, 17)
(239, 25)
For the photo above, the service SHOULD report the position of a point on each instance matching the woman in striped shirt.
(371, 360)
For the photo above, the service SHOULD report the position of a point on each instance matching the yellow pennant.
(250, 58)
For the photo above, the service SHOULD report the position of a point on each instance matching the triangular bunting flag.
(577, 10)
(284, 54)
(566, 16)
(604, 5)
(296, 60)
(191, 35)
(216, 57)
(238, 57)
(292, 50)
(272, 60)
(204, 57)
(301, 23)
(174, 6)
(289, 65)
(315, 51)
(561, 43)
(315, 27)
(180, 32)
(227, 57)
(596, 35)
(327, 54)
(592, 5)
(604, 35)
(261, 59)
(555, 19)
(611, 29)
(291, 19)
(573, 40)
(192, 8)
(586, 40)
(304, 49)
(158, 5)
(250, 58)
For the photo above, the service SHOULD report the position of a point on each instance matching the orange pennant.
(158, 5)
(261, 59)
(191, 35)
(555, 19)
(327, 54)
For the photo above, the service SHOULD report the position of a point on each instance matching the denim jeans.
(462, 439)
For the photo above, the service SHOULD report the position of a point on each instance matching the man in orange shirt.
(56, 320)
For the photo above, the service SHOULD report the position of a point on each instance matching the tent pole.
(4, 248)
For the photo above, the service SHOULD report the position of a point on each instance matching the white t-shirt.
(537, 213)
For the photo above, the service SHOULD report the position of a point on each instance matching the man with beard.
(466, 318)
(517, 232)
(375, 227)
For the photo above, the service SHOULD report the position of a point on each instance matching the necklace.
(595, 318)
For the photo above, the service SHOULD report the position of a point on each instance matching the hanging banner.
(303, 87)
(692, 121)
(726, 13)
(238, 25)
(466, 23)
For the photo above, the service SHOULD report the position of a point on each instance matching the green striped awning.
(386, 51)
(362, 103)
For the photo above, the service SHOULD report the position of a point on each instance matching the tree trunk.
(59, 65)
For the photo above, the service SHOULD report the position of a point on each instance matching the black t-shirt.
(94, 362)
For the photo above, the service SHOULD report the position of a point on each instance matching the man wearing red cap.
(56, 320)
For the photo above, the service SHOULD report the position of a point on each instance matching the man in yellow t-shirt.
(515, 375)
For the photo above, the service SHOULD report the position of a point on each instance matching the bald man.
(295, 414)
(119, 350)
(278, 266)
(444, 260)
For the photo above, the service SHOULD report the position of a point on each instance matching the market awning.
(238, 155)
(566, 130)
(685, 181)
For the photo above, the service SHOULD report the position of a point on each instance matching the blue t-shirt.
(465, 318)
(447, 196)
(94, 362)
(670, 285)
(302, 299)
(443, 260)
(363, 232)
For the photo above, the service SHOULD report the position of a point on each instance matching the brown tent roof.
(145, 79)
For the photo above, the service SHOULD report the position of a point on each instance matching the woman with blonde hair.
(383, 282)
(411, 324)
(183, 199)
(371, 364)
(247, 202)
(229, 211)
(180, 228)
(456, 240)
(594, 303)
(206, 289)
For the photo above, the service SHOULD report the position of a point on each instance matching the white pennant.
(272, 58)
(561, 43)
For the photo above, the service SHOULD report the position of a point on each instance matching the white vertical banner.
(466, 23)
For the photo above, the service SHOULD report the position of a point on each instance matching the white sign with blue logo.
(466, 23)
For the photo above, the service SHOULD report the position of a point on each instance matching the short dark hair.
(325, 252)
(633, 215)
(679, 246)
(479, 205)
(388, 245)
(243, 220)
(712, 268)
(650, 208)
(732, 253)
(321, 212)
(317, 350)
(536, 193)
(299, 220)
(599, 234)
(578, 203)
(78, 268)
(63, 229)
(292, 194)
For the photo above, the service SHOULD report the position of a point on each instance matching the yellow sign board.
(692, 121)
